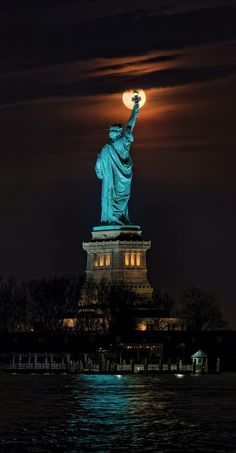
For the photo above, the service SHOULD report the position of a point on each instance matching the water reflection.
(102, 413)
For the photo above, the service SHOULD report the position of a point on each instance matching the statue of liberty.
(114, 168)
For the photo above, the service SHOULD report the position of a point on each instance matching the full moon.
(128, 95)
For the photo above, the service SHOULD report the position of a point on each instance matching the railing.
(107, 367)
(38, 366)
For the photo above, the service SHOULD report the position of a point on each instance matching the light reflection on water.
(102, 413)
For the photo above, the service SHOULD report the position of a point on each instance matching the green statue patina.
(114, 168)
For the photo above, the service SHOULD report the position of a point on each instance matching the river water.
(101, 413)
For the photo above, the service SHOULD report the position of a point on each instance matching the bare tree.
(89, 313)
(51, 299)
(105, 307)
(200, 309)
(116, 302)
(13, 305)
(164, 301)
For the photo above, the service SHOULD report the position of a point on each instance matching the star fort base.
(118, 254)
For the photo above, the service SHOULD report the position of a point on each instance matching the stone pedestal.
(118, 254)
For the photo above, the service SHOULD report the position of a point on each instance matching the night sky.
(64, 66)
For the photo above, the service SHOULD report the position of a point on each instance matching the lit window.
(142, 326)
(138, 259)
(101, 260)
(126, 259)
(69, 322)
(95, 260)
(132, 259)
(108, 259)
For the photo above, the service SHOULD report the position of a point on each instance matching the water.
(99, 413)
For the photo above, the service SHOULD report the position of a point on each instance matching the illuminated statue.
(114, 167)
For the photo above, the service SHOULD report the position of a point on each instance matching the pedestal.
(118, 254)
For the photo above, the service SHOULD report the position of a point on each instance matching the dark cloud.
(158, 79)
(23, 87)
(34, 39)
(159, 59)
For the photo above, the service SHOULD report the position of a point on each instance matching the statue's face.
(114, 133)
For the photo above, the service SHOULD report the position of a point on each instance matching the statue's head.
(115, 131)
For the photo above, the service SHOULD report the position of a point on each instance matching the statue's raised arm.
(134, 113)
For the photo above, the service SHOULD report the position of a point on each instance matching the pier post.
(218, 369)
(145, 365)
(132, 366)
(177, 365)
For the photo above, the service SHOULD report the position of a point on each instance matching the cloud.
(18, 89)
(35, 40)
(157, 59)
(157, 79)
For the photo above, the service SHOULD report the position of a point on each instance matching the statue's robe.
(114, 167)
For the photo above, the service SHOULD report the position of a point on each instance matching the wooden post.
(132, 366)
(145, 365)
(177, 365)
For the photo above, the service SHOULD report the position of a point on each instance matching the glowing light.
(128, 95)
(142, 326)
(179, 375)
(108, 259)
(132, 261)
(101, 260)
(126, 258)
(69, 322)
(95, 261)
(138, 259)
